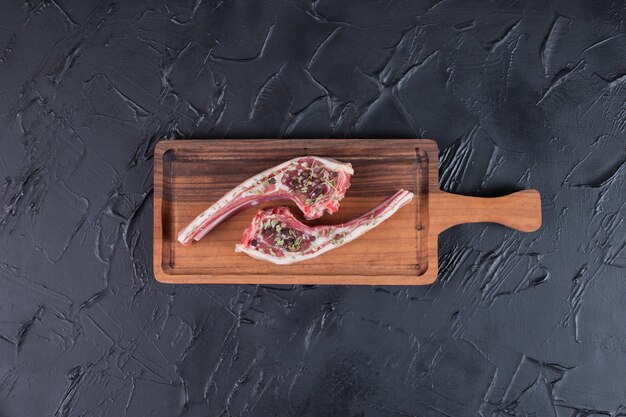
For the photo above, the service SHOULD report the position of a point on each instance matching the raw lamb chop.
(276, 236)
(315, 184)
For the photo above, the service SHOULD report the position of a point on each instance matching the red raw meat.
(276, 236)
(315, 184)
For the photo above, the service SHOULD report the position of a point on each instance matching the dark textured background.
(517, 94)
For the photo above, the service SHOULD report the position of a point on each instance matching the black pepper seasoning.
(254, 242)
(272, 180)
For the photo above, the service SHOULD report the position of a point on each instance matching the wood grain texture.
(191, 175)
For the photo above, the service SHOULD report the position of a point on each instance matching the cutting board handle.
(520, 210)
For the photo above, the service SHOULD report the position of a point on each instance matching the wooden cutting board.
(189, 175)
